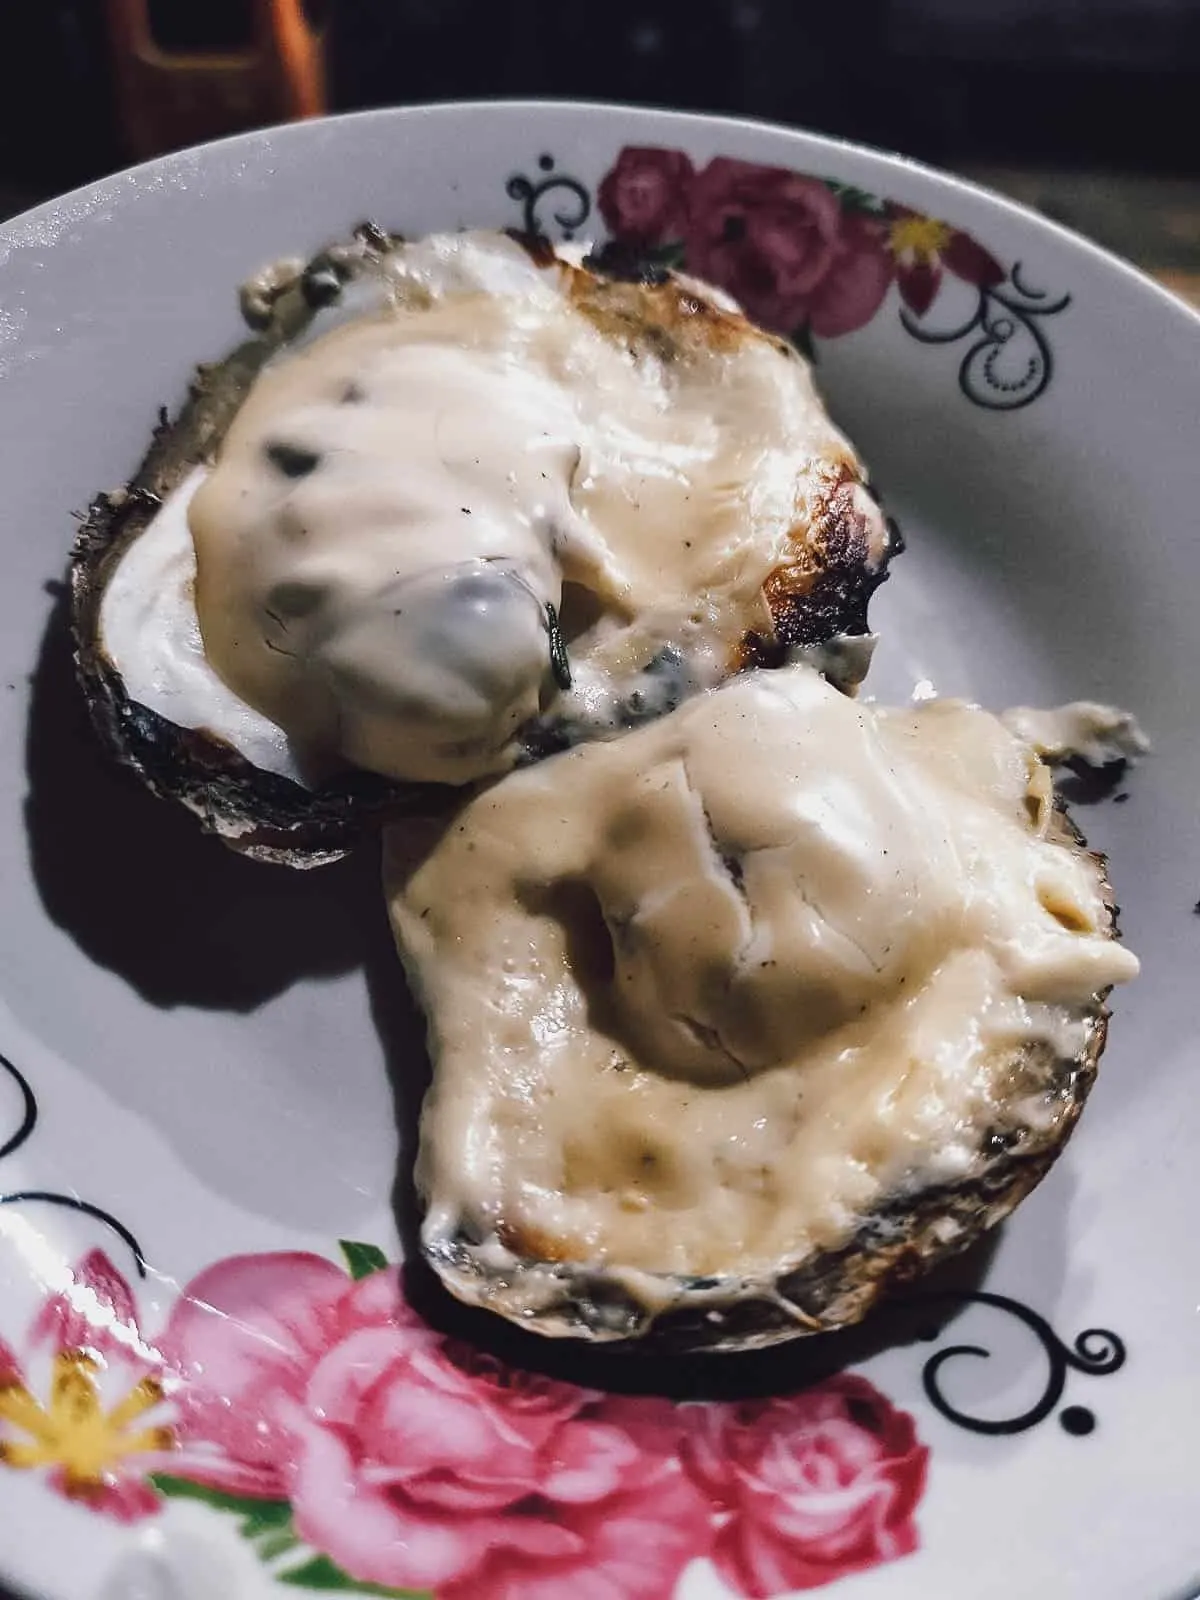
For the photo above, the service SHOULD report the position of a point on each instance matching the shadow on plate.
(1022, 1387)
(921, 1317)
(145, 894)
(782, 1369)
(187, 922)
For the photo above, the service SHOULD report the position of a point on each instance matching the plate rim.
(284, 133)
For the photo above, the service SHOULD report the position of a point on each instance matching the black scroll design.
(71, 1202)
(1096, 1351)
(572, 207)
(1010, 364)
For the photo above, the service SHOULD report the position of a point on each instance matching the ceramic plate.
(206, 1062)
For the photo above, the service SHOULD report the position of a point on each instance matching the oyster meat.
(740, 1020)
(458, 504)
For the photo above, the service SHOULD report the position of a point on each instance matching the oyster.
(458, 504)
(743, 1019)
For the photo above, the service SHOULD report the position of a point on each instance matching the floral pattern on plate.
(809, 258)
(362, 1451)
(353, 1448)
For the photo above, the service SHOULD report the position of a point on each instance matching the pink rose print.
(811, 1488)
(243, 1340)
(415, 1462)
(87, 1418)
(327, 1415)
(922, 246)
(644, 197)
(786, 250)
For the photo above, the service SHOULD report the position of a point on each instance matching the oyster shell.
(305, 812)
(737, 1034)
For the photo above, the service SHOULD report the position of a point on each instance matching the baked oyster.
(744, 1019)
(457, 504)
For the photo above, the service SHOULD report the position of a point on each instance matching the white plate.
(209, 1044)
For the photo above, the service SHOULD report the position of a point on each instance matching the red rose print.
(783, 246)
(797, 255)
(810, 1488)
(644, 197)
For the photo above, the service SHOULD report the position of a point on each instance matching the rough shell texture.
(257, 813)
(903, 1238)
(823, 594)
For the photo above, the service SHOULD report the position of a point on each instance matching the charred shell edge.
(257, 813)
(906, 1236)
(261, 814)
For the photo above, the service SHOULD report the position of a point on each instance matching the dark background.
(1053, 82)
(1086, 108)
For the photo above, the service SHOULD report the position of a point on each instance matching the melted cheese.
(1083, 731)
(402, 498)
(149, 631)
(698, 998)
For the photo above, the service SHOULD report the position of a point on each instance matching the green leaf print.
(362, 1259)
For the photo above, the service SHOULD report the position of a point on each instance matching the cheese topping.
(1083, 731)
(402, 500)
(150, 632)
(698, 997)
